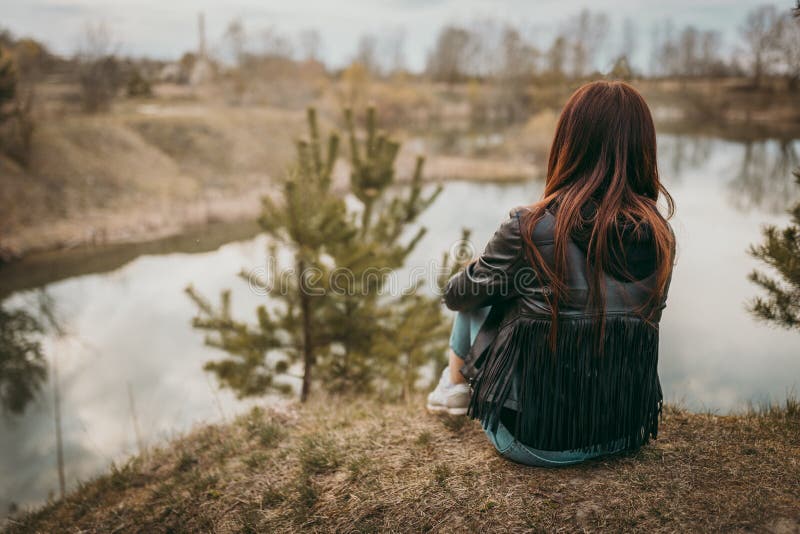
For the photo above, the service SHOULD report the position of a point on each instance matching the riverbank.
(150, 172)
(355, 465)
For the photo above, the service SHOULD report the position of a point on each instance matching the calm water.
(129, 328)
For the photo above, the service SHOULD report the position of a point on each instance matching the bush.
(8, 81)
(138, 86)
(16, 118)
(99, 72)
(99, 82)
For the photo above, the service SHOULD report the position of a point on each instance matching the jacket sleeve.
(491, 278)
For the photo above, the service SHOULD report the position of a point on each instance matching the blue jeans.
(465, 330)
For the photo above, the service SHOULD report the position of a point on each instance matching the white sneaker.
(449, 398)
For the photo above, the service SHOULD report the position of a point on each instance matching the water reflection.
(130, 326)
(679, 153)
(765, 178)
(758, 174)
(22, 363)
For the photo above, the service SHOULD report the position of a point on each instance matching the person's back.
(558, 322)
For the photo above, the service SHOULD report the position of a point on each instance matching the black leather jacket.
(592, 389)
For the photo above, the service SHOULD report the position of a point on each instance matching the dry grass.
(142, 173)
(360, 466)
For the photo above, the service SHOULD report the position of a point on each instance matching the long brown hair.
(603, 157)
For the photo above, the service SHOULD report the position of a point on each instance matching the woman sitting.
(557, 323)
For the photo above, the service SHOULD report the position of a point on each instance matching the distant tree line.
(510, 54)
(769, 45)
(499, 61)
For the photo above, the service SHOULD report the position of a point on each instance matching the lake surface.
(129, 335)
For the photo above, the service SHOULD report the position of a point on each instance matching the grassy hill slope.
(349, 465)
(133, 175)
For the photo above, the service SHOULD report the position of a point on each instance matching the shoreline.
(105, 228)
(215, 226)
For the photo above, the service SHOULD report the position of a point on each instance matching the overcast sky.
(167, 28)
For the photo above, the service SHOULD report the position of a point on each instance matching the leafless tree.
(688, 51)
(236, 39)
(517, 68)
(557, 57)
(588, 32)
(711, 62)
(759, 34)
(393, 50)
(274, 44)
(449, 59)
(367, 53)
(310, 44)
(519, 57)
(654, 68)
(485, 47)
(99, 71)
(788, 48)
(629, 41)
(665, 50)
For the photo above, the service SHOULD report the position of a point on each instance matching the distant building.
(194, 68)
(202, 71)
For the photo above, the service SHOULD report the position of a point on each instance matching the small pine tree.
(417, 333)
(309, 220)
(414, 335)
(365, 318)
(338, 323)
(781, 251)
